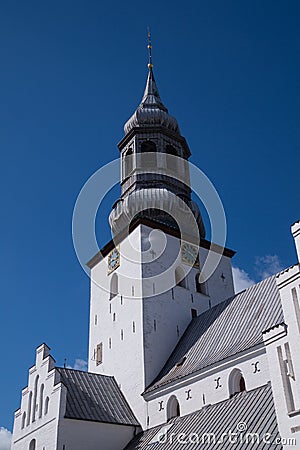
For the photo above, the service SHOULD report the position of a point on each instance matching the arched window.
(29, 408)
(114, 286)
(180, 279)
(23, 420)
(128, 162)
(173, 408)
(41, 401)
(35, 398)
(148, 160)
(170, 161)
(46, 405)
(236, 382)
(200, 287)
(148, 147)
(32, 445)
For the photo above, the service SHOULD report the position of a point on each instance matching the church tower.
(145, 283)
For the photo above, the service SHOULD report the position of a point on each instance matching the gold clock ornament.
(113, 260)
(190, 254)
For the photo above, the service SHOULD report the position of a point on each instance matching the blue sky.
(71, 75)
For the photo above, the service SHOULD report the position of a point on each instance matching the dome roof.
(151, 111)
(126, 209)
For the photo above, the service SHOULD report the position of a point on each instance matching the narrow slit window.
(114, 286)
(296, 307)
(200, 287)
(128, 162)
(287, 388)
(180, 279)
(194, 313)
(99, 354)
(46, 405)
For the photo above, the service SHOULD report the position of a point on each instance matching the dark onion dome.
(151, 111)
(151, 203)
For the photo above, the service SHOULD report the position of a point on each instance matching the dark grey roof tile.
(255, 409)
(94, 397)
(228, 328)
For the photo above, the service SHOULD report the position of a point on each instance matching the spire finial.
(150, 65)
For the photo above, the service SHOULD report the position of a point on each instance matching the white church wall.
(146, 319)
(210, 386)
(220, 284)
(84, 435)
(119, 324)
(41, 410)
(167, 314)
(282, 344)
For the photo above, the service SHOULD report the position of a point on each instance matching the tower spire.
(150, 64)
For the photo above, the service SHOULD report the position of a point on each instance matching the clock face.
(113, 260)
(190, 254)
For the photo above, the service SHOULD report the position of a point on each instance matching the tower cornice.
(204, 243)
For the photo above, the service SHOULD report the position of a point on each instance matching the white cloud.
(267, 265)
(5, 439)
(80, 364)
(241, 279)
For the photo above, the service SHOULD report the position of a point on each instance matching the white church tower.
(172, 350)
(145, 285)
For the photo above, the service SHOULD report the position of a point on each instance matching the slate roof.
(229, 328)
(94, 397)
(255, 409)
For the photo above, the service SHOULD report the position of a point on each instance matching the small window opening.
(148, 159)
(32, 445)
(114, 288)
(180, 279)
(173, 408)
(99, 354)
(128, 162)
(200, 287)
(171, 162)
(23, 420)
(194, 313)
(46, 405)
(236, 382)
